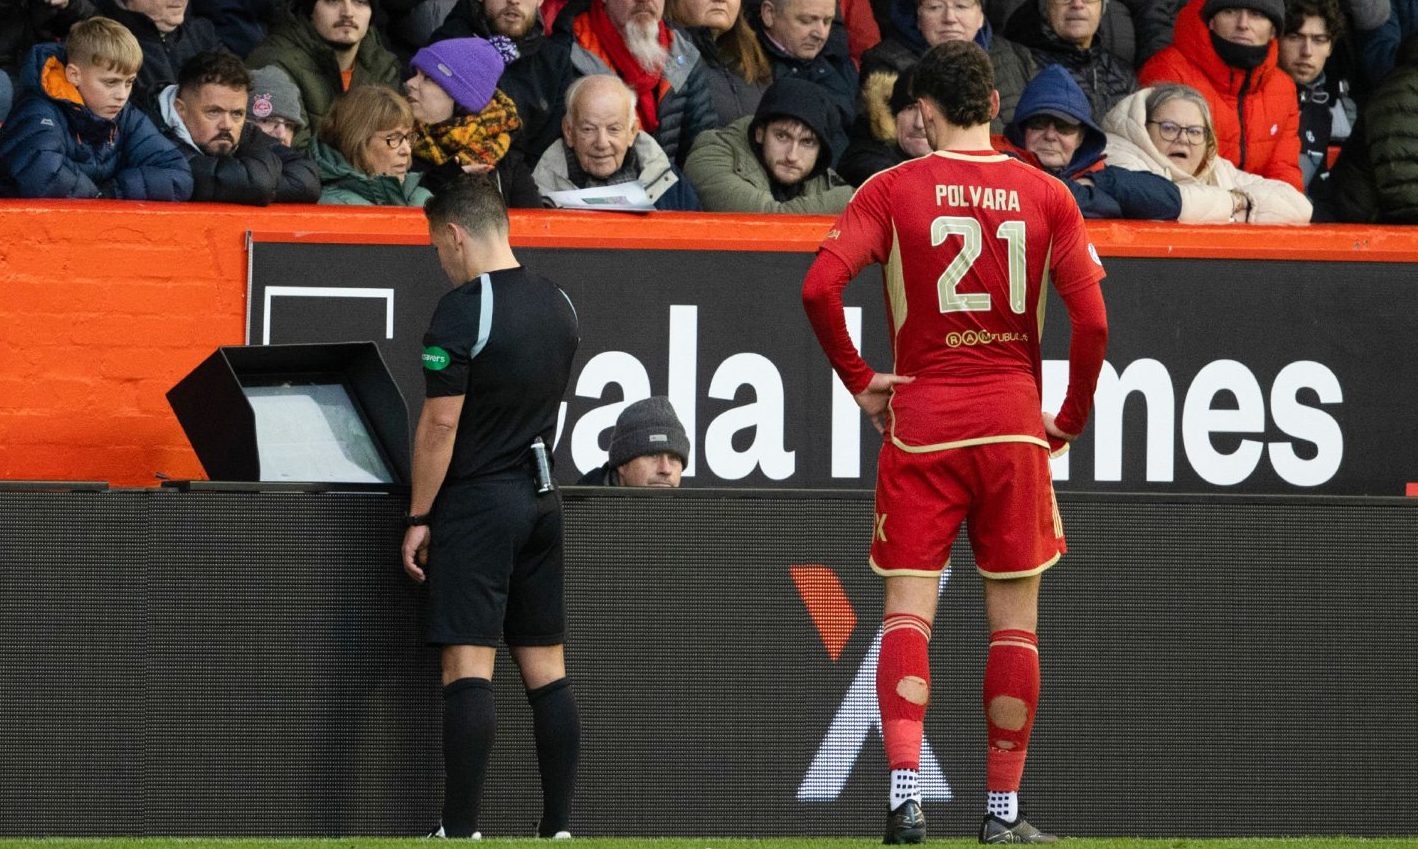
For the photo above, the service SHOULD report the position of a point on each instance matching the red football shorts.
(1002, 490)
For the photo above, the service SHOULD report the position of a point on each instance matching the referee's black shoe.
(906, 824)
(996, 830)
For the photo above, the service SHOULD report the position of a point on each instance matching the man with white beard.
(630, 39)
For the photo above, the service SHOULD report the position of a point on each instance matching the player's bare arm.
(433, 451)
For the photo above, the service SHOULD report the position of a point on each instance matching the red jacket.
(1257, 115)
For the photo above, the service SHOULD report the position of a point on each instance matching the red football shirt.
(967, 241)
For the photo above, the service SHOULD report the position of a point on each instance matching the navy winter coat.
(52, 146)
(260, 171)
(1116, 192)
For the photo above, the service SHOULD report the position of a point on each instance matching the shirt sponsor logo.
(1093, 252)
(982, 337)
(435, 358)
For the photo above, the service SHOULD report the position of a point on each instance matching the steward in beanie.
(647, 428)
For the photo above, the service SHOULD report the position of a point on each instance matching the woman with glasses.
(1168, 131)
(1054, 131)
(365, 150)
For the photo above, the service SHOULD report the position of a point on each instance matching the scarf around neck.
(645, 83)
(481, 139)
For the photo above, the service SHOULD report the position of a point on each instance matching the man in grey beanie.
(649, 447)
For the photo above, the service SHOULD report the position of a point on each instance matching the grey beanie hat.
(648, 426)
(274, 95)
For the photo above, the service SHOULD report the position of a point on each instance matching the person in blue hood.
(1053, 130)
(76, 135)
(919, 25)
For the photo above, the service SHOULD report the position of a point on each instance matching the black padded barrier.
(250, 663)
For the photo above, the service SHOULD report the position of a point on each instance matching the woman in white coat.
(1167, 130)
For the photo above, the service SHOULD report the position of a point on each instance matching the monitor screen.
(311, 430)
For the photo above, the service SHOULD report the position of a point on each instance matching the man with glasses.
(968, 239)
(1226, 49)
(1065, 32)
(274, 105)
(1053, 131)
(921, 25)
(205, 115)
(1327, 113)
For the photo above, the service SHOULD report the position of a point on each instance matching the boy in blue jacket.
(75, 135)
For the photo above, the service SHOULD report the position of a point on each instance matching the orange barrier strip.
(106, 304)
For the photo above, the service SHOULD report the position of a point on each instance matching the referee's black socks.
(557, 726)
(469, 722)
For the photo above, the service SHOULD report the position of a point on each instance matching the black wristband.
(414, 519)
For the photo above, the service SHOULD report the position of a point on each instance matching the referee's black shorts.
(495, 564)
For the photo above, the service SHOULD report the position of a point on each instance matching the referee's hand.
(415, 551)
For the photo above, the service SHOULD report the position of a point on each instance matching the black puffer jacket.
(1104, 78)
(259, 172)
(536, 81)
(733, 96)
(163, 53)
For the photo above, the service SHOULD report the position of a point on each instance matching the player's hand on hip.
(415, 551)
(1053, 430)
(877, 395)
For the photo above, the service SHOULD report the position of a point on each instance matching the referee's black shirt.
(504, 339)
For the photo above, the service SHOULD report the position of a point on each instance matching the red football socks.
(903, 686)
(1011, 697)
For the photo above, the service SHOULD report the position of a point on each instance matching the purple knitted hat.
(467, 68)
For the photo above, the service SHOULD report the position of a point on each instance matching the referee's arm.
(433, 451)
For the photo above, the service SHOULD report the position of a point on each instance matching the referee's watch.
(414, 519)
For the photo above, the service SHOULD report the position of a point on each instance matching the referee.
(484, 527)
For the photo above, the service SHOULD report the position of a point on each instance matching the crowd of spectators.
(1187, 110)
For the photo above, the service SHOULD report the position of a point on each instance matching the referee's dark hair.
(957, 77)
(471, 201)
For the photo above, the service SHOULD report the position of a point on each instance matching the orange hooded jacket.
(1257, 115)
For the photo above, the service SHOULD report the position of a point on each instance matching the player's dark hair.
(213, 67)
(473, 202)
(957, 77)
(1327, 10)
